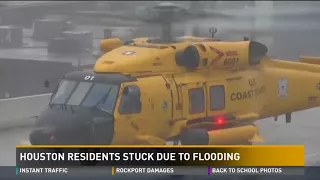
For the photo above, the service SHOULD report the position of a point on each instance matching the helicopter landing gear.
(194, 137)
(247, 143)
(190, 137)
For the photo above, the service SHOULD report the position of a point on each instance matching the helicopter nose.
(97, 131)
(40, 136)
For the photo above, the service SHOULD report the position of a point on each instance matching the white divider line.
(25, 97)
(312, 155)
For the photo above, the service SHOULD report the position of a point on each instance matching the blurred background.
(36, 36)
(40, 41)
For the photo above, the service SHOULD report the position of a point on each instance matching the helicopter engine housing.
(107, 45)
(222, 55)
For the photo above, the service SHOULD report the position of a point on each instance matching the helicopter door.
(194, 100)
(131, 110)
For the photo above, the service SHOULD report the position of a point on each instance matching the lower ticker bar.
(154, 171)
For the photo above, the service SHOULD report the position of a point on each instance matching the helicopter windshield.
(86, 94)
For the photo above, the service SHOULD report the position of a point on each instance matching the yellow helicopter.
(187, 90)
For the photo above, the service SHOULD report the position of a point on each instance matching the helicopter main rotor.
(165, 14)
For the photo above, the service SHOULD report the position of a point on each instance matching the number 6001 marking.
(89, 78)
(231, 61)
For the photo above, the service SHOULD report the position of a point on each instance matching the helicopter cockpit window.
(86, 94)
(130, 102)
(103, 96)
(196, 100)
(79, 93)
(63, 92)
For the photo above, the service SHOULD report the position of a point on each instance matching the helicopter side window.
(196, 100)
(130, 101)
(217, 98)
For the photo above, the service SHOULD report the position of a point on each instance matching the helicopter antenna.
(213, 31)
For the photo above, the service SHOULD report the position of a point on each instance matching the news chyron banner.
(103, 161)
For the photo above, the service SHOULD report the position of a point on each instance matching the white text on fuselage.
(247, 94)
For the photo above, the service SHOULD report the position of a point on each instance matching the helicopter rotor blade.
(149, 20)
(183, 24)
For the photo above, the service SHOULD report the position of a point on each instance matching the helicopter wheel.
(175, 142)
(247, 143)
(192, 137)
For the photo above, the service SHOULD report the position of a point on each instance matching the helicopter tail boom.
(305, 64)
(292, 86)
(310, 59)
